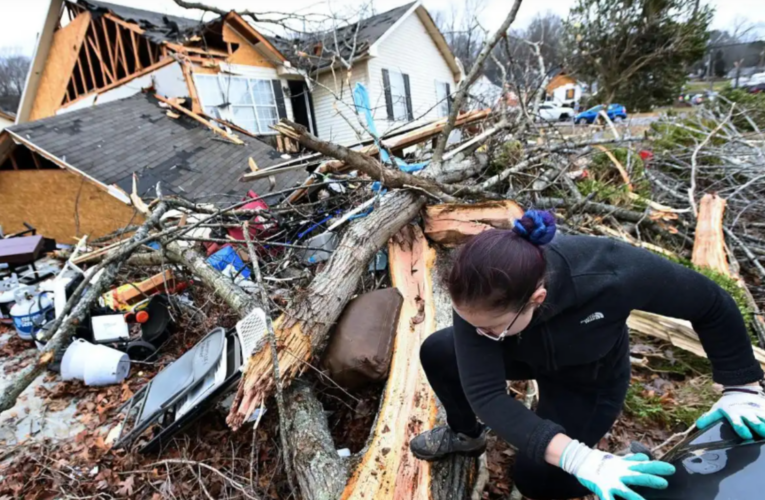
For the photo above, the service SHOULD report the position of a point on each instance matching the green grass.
(701, 86)
(687, 404)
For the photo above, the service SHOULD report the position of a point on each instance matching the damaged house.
(119, 100)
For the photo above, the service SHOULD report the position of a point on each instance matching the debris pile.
(194, 353)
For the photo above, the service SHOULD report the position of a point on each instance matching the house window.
(570, 94)
(398, 97)
(247, 102)
(443, 98)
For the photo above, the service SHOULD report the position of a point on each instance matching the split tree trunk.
(452, 224)
(388, 469)
(302, 332)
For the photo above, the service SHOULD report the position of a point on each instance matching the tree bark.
(189, 257)
(321, 473)
(302, 332)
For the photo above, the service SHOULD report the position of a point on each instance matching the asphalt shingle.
(112, 141)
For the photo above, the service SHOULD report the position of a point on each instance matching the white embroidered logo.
(592, 317)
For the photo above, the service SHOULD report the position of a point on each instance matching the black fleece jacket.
(593, 284)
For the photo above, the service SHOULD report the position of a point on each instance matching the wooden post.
(90, 65)
(104, 68)
(35, 159)
(138, 64)
(109, 47)
(121, 45)
(82, 74)
(13, 159)
(150, 49)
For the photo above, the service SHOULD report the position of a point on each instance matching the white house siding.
(329, 123)
(409, 49)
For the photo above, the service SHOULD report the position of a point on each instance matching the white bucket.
(75, 359)
(107, 366)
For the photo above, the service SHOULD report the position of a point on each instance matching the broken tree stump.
(388, 469)
(452, 224)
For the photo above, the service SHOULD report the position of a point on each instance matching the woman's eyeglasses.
(504, 333)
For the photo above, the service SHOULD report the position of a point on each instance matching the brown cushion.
(360, 348)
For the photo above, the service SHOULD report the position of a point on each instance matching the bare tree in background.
(462, 31)
(13, 74)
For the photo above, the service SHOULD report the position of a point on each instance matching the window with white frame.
(443, 91)
(247, 102)
(397, 95)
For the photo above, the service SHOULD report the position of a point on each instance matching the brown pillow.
(361, 346)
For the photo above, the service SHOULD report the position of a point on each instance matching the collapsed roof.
(158, 27)
(112, 141)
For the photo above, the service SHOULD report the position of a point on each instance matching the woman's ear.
(539, 296)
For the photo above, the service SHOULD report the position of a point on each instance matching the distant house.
(563, 88)
(6, 119)
(403, 60)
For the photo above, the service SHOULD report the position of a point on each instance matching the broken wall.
(59, 66)
(56, 202)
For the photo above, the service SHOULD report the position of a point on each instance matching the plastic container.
(31, 312)
(107, 366)
(94, 364)
(74, 360)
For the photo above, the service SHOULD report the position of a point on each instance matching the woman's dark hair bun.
(536, 226)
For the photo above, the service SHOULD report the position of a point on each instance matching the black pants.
(586, 414)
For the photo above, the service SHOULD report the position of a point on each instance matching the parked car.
(713, 464)
(551, 112)
(615, 112)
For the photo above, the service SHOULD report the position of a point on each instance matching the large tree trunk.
(321, 473)
(388, 469)
(303, 330)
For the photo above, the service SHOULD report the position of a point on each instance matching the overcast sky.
(20, 20)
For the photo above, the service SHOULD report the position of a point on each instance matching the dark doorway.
(302, 105)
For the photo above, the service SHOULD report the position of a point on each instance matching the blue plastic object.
(225, 256)
(361, 100)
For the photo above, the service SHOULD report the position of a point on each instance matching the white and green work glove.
(608, 475)
(743, 406)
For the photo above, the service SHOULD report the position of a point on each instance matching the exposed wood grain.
(388, 468)
(453, 224)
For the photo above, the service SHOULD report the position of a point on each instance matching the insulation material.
(245, 54)
(59, 66)
(69, 199)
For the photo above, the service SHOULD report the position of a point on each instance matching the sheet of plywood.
(59, 66)
(66, 194)
(245, 54)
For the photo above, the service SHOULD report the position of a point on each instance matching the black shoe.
(437, 443)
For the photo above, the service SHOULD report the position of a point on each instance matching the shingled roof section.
(159, 27)
(112, 141)
(365, 32)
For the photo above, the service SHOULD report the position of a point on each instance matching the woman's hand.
(609, 476)
(743, 406)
